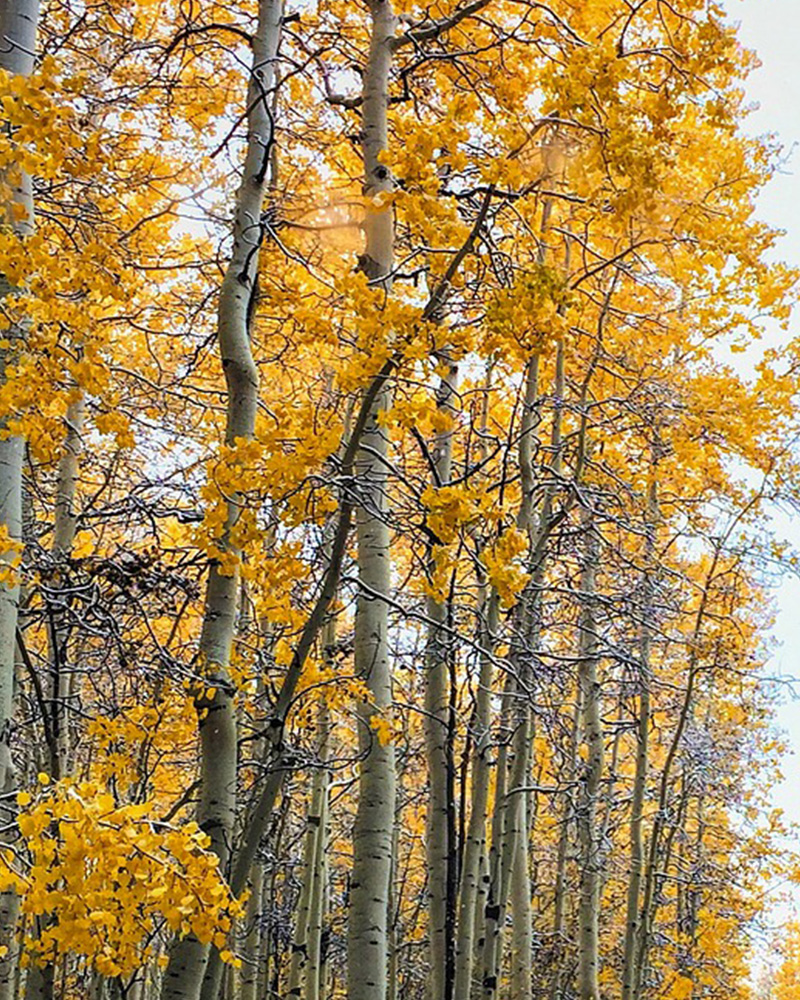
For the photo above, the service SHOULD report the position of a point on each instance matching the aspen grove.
(388, 450)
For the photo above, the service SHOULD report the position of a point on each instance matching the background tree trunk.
(590, 856)
(632, 926)
(441, 846)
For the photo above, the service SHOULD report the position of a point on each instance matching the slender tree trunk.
(315, 975)
(64, 528)
(560, 895)
(588, 827)
(657, 855)
(217, 716)
(528, 638)
(62, 675)
(319, 872)
(513, 827)
(474, 874)
(493, 917)
(367, 939)
(299, 953)
(372, 832)
(309, 918)
(9, 911)
(471, 901)
(252, 957)
(632, 917)
(441, 846)
(522, 916)
(394, 985)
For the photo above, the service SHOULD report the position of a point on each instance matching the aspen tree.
(253, 956)
(315, 932)
(64, 528)
(476, 92)
(588, 826)
(367, 938)
(471, 899)
(439, 725)
(215, 703)
(41, 978)
(566, 817)
(642, 745)
(303, 972)
(19, 21)
(510, 826)
(471, 903)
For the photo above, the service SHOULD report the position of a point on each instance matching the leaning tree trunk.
(367, 934)
(217, 716)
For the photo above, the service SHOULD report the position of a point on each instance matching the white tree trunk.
(18, 26)
(632, 925)
(474, 880)
(588, 827)
(319, 864)
(440, 846)
(252, 956)
(64, 527)
(367, 938)
(471, 901)
(217, 725)
(303, 981)
(19, 21)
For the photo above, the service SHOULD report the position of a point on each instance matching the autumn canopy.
(387, 452)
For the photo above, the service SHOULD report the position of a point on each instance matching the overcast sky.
(772, 28)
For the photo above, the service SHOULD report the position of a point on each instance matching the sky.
(772, 28)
